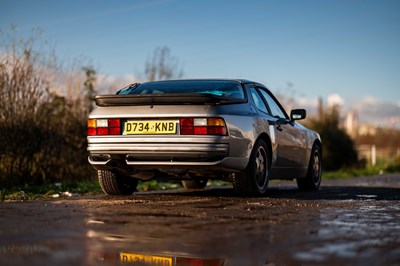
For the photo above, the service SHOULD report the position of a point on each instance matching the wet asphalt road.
(349, 222)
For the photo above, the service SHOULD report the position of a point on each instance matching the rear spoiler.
(163, 99)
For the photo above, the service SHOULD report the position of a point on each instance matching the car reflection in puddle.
(132, 258)
(108, 249)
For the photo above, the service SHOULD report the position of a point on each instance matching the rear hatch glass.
(222, 88)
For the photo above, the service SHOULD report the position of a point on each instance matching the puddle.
(367, 196)
(357, 232)
(337, 226)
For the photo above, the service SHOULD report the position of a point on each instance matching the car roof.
(244, 81)
(241, 81)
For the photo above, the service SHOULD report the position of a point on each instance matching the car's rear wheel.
(254, 179)
(313, 179)
(195, 184)
(115, 184)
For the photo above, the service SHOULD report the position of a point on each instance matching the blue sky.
(350, 48)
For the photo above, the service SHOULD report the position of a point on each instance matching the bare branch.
(162, 65)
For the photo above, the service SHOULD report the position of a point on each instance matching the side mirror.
(298, 114)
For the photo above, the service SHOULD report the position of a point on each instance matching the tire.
(312, 181)
(254, 179)
(114, 184)
(195, 184)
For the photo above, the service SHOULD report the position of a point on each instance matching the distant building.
(366, 129)
(351, 123)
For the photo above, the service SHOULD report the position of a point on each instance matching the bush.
(394, 166)
(43, 134)
(338, 148)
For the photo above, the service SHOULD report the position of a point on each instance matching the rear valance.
(163, 99)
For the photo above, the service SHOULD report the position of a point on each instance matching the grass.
(72, 188)
(353, 172)
(50, 190)
(382, 167)
(154, 185)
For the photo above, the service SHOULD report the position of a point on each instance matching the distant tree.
(338, 148)
(287, 96)
(89, 85)
(162, 65)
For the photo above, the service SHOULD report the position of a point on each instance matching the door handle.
(279, 127)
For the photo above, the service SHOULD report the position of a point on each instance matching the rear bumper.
(155, 150)
(148, 153)
(228, 164)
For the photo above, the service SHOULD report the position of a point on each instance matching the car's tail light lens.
(202, 126)
(186, 126)
(99, 127)
(199, 262)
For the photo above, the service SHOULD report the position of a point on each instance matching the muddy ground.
(348, 222)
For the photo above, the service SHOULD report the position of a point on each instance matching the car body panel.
(187, 156)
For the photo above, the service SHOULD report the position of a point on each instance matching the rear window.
(228, 89)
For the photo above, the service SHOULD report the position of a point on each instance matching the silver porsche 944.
(197, 130)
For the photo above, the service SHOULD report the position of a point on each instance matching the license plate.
(144, 259)
(150, 127)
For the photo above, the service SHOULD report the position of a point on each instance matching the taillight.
(199, 262)
(202, 126)
(98, 127)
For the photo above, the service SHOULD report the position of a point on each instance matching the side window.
(258, 101)
(276, 110)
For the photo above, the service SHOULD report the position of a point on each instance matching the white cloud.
(369, 100)
(111, 84)
(370, 109)
(307, 102)
(375, 111)
(335, 100)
